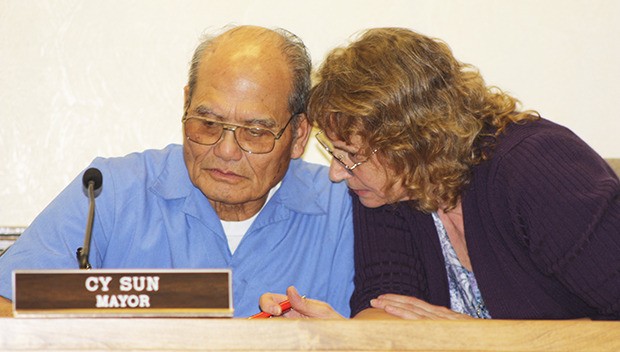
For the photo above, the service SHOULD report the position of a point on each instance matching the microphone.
(92, 175)
(92, 181)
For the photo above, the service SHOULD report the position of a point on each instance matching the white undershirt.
(235, 230)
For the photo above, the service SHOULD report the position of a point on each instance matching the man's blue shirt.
(150, 215)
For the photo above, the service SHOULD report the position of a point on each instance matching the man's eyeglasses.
(329, 147)
(254, 140)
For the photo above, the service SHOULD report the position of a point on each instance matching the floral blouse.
(465, 296)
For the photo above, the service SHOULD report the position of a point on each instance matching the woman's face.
(368, 179)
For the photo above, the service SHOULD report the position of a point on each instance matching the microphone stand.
(83, 252)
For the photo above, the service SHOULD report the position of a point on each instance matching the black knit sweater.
(542, 225)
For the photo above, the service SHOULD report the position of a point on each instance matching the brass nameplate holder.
(123, 293)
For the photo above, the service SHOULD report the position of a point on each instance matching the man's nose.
(227, 147)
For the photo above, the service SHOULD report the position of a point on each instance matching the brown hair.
(423, 111)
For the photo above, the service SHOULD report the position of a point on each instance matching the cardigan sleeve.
(389, 256)
(567, 200)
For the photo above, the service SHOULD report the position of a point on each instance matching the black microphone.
(92, 181)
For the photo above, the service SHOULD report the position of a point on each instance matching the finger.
(428, 312)
(402, 300)
(413, 308)
(270, 303)
(398, 298)
(293, 314)
(309, 308)
(398, 309)
(403, 313)
(383, 301)
(378, 303)
(301, 307)
(294, 297)
(407, 302)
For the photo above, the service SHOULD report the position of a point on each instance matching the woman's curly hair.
(429, 116)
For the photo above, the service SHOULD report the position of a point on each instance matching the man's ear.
(186, 98)
(301, 137)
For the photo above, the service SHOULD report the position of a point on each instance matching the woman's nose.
(337, 172)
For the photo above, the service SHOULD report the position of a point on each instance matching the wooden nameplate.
(123, 293)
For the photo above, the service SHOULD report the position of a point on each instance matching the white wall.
(80, 78)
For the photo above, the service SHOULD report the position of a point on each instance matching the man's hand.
(301, 307)
(408, 307)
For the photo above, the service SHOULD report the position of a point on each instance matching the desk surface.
(288, 335)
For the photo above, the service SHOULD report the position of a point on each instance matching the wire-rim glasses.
(329, 148)
(251, 139)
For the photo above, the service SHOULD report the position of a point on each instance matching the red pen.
(285, 305)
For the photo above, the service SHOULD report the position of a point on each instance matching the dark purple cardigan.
(542, 225)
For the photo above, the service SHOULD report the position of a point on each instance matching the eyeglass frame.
(339, 158)
(233, 127)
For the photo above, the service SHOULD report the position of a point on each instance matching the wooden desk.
(289, 335)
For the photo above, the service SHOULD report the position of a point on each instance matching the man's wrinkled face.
(248, 87)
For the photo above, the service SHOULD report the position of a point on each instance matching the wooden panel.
(8, 235)
(615, 164)
(289, 335)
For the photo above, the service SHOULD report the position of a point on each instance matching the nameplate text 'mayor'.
(139, 293)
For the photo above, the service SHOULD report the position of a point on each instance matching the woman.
(464, 206)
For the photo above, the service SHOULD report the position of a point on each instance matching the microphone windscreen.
(93, 175)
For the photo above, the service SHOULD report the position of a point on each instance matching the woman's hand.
(408, 307)
(300, 307)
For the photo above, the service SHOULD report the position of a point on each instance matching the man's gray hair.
(297, 56)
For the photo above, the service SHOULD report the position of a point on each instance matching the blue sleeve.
(342, 265)
(52, 239)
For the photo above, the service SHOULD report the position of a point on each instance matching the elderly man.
(235, 195)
